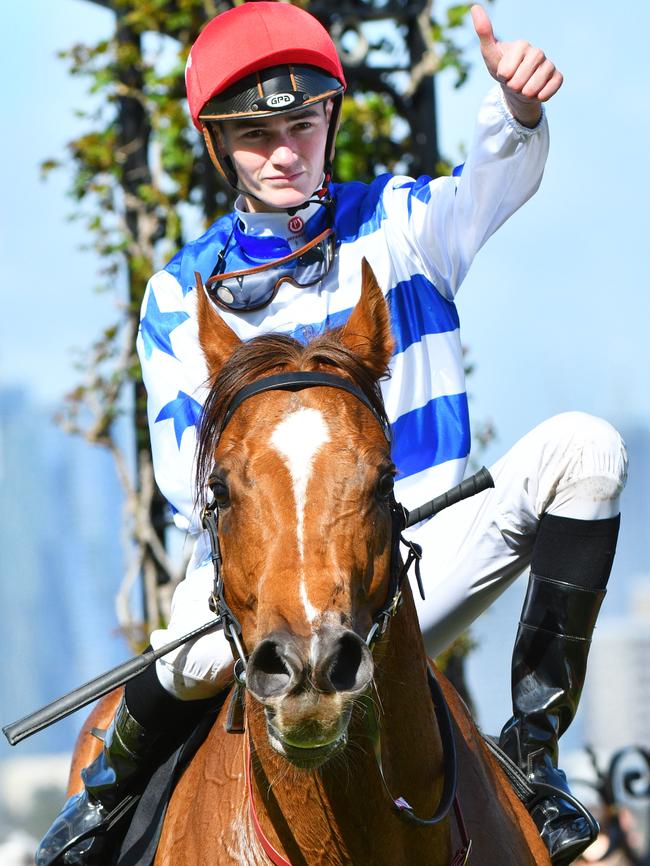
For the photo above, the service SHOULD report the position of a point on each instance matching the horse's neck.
(410, 742)
(342, 814)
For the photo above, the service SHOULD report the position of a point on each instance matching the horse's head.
(303, 482)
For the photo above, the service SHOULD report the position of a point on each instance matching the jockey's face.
(278, 159)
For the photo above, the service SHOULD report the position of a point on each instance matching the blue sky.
(555, 310)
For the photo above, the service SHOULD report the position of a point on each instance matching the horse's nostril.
(347, 666)
(271, 669)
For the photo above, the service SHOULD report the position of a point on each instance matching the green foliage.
(452, 663)
(462, 646)
(132, 170)
(365, 143)
(444, 35)
(119, 72)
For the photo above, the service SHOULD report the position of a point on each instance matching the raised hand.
(526, 75)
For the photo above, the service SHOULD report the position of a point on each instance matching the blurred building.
(488, 667)
(617, 693)
(17, 849)
(60, 566)
(32, 790)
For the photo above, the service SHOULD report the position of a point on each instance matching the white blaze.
(298, 438)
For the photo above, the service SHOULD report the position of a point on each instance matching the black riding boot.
(130, 749)
(571, 563)
(106, 783)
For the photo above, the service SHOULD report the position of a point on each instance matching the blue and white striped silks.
(420, 237)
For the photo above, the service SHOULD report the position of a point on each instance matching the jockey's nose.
(338, 661)
(283, 154)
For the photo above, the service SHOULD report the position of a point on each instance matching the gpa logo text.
(280, 100)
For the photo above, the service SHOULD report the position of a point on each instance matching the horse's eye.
(220, 491)
(385, 485)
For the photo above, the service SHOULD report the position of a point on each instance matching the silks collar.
(260, 238)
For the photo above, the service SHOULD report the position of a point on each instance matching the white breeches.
(572, 465)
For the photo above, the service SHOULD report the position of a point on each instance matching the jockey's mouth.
(287, 178)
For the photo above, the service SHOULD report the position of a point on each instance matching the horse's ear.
(217, 339)
(367, 332)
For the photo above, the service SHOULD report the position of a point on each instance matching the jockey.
(265, 87)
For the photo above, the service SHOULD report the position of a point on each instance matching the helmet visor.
(271, 91)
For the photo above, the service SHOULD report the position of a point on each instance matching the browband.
(296, 381)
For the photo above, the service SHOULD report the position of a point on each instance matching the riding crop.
(118, 676)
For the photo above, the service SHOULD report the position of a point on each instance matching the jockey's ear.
(367, 332)
(217, 339)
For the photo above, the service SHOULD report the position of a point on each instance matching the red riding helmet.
(257, 60)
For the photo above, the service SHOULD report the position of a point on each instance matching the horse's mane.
(264, 356)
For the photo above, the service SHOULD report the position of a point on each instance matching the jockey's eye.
(220, 491)
(385, 485)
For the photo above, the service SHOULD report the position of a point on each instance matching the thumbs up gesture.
(526, 75)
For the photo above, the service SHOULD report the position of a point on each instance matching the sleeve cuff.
(518, 128)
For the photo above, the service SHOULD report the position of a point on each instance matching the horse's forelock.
(264, 356)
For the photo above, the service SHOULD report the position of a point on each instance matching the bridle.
(400, 520)
(297, 381)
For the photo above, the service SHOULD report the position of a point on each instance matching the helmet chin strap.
(321, 196)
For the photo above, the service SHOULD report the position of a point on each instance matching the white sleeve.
(175, 375)
(446, 221)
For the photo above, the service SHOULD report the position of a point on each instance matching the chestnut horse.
(303, 484)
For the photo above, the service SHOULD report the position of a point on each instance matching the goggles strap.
(296, 254)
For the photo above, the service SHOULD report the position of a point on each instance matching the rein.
(399, 570)
(449, 796)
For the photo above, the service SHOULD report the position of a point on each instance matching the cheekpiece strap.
(217, 602)
(399, 572)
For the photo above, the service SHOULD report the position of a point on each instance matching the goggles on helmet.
(251, 289)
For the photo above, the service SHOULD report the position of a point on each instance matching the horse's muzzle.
(334, 661)
(307, 688)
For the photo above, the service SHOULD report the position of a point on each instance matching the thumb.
(489, 46)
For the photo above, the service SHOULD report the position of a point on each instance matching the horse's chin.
(308, 757)
(308, 753)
